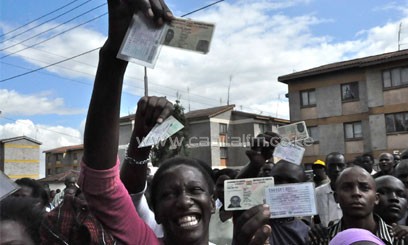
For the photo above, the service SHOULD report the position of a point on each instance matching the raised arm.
(102, 124)
(134, 168)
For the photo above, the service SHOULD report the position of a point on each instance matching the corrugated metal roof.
(65, 149)
(349, 64)
(208, 112)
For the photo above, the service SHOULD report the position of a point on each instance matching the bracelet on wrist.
(133, 161)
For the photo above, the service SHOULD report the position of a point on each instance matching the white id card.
(242, 194)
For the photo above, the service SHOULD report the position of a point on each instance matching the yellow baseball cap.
(319, 162)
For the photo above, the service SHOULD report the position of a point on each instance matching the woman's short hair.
(203, 167)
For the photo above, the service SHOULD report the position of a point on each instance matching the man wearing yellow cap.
(319, 170)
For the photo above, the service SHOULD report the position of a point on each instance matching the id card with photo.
(242, 194)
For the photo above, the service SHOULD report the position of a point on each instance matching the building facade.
(219, 136)
(20, 157)
(63, 159)
(353, 107)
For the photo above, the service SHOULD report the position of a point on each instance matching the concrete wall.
(377, 132)
(398, 141)
(21, 159)
(398, 96)
(294, 106)
(374, 90)
(328, 101)
(331, 138)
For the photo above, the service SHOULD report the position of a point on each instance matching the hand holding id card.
(242, 194)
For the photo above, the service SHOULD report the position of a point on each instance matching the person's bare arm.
(101, 134)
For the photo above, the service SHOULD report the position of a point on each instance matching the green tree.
(176, 144)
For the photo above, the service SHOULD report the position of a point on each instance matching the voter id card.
(242, 194)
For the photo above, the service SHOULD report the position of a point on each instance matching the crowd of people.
(183, 203)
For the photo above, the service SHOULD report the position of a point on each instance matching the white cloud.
(254, 42)
(50, 136)
(14, 103)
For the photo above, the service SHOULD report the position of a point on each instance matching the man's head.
(235, 201)
(319, 170)
(393, 199)
(285, 172)
(397, 159)
(266, 170)
(70, 181)
(366, 161)
(335, 163)
(356, 193)
(386, 162)
(401, 172)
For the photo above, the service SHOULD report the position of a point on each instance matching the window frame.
(308, 91)
(354, 84)
(404, 115)
(311, 136)
(223, 132)
(396, 71)
(353, 128)
(225, 150)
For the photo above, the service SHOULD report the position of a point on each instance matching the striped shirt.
(384, 232)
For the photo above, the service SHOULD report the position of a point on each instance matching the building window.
(349, 91)
(396, 122)
(314, 133)
(223, 152)
(223, 128)
(395, 77)
(75, 156)
(264, 128)
(353, 130)
(308, 98)
(58, 157)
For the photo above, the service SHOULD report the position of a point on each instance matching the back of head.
(286, 172)
(231, 173)
(201, 166)
(24, 211)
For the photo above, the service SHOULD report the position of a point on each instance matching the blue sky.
(254, 42)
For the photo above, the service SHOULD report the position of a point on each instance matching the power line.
(45, 15)
(56, 35)
(199, 9)
(38, 34)
(43, 67)
(43, 24)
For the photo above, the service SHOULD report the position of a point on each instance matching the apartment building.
(218, 135)
(20, 157)
(63, 159)
(353, 106)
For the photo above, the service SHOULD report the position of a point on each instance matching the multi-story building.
(354, 106)
(221, 135)
(218, 136)
(20, 157)
(63, 159)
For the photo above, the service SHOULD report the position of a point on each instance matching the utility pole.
(229, 86)
(399, 36)
(146, 86)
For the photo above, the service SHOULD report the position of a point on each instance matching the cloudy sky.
(254, 42)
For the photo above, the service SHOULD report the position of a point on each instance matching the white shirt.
(327, 208)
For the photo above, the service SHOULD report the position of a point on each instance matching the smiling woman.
(182, 199)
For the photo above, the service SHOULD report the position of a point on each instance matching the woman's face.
(184, 205)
